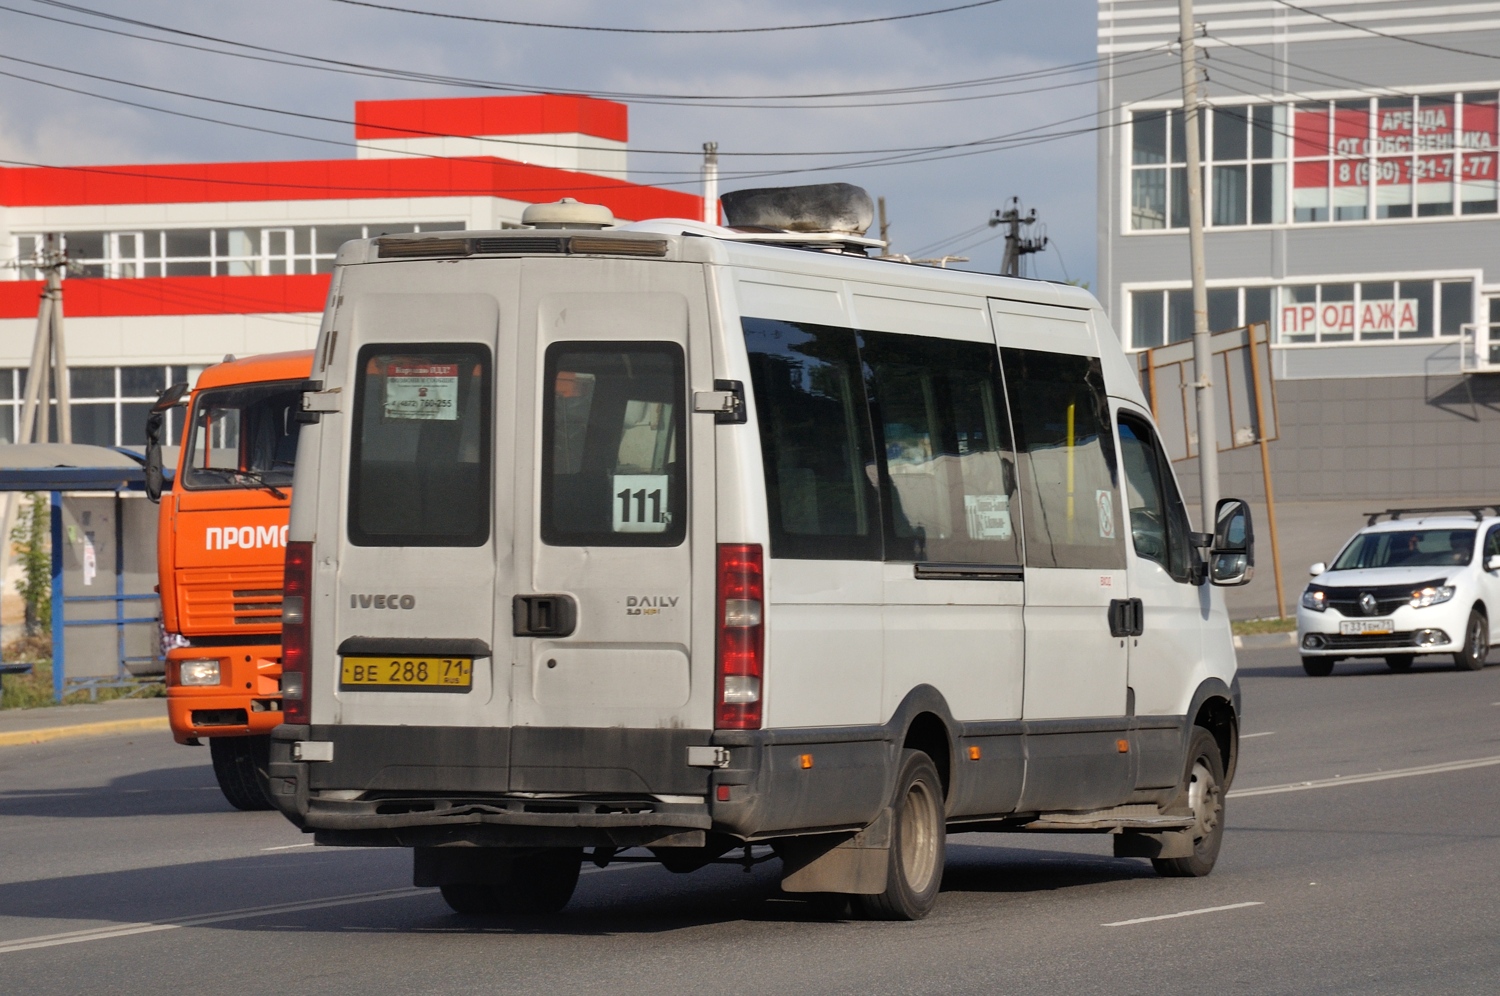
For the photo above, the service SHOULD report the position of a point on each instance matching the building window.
(1311, 313)
(109, 404)
(1348, 160)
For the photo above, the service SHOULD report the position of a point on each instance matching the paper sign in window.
(988, 516)
(427, 391)
(1106, 502)
(639, 503)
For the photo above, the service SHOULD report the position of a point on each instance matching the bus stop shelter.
(60, 469)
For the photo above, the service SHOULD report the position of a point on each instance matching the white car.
(1424, 581)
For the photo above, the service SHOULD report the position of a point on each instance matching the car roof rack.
(1477, 511)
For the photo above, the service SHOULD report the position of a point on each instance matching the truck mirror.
(156, 481)
(1232, 557)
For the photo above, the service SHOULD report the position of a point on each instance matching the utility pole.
(49, 357)
(711, 183)
(1015, 245)
(1208, 436)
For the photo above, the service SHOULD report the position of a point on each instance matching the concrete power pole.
(711, 183)
(1015, 245)
(1208, 436)
(49, 357)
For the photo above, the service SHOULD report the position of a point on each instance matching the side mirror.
(1231, 559)
(156, 482)
(1492, 562)
(1316, 569)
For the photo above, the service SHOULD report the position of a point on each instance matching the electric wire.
(1383, 34)
(474, 18)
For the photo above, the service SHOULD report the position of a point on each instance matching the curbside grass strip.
(20, 737)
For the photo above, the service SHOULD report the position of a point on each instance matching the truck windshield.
(1408, 548)
(243, 437)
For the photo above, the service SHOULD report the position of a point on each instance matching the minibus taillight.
(296, 633)
(741, 594)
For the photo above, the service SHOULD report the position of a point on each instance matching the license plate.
(1367, 627)
(401, 674)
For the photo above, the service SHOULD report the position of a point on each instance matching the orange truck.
(221, 546)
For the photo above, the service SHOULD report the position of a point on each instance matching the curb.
(1265, 641)
(46, 733)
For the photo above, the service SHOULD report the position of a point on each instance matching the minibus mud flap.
(853, 864)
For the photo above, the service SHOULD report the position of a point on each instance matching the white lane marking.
(1247, 736)
(247, 913)
(288, 847)
(1174, 916)
(1374, 776)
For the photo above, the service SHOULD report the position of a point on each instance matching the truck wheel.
(1399, 662)
(1318, 667)
(241, 765)
(1476, 643)
(533, 882)
(918, 834)
(1202, 794)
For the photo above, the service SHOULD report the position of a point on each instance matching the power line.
(1387, 35)
(661, 31)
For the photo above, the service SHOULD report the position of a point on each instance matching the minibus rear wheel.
(918, 833)
(1201, 795)
(535, 882)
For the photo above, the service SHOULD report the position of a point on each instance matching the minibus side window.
(1066, 455)
(1158, 519)
(949, 475)
(419, 464)
(613, 463)
(815, 441)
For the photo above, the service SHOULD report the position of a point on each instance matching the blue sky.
(928, 202)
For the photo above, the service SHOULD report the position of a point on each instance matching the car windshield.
(243, 437)
(1408, 548)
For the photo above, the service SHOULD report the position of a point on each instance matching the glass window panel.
(1223, 308)
(1393, 187)
(1419, 291)
(389, 228)
(94, 424)
(190, 242)
(1230, 194)
(1310, 191)
(8, 384)
(815, 441)
(1380, 311)
(1179, 315)
(1230, 125)
(1336, 313)
(441, 226)
(92, 382)
(949, 488)
(1148, 198)
(1179, 142)
(1480, 140)
(1258, 305)
(133, 423)
(1394, 125)
(330, 237)
(1179, 198)
(1299, 313)
(1457, 299)
(192, 268)
(85, 245)
(1066, 455)
(1310, 124)
(1146, 320)
(1268, 131)
(142, 382)
(420, 459)
(1267, 194)
(1434, 176)
(7, 424)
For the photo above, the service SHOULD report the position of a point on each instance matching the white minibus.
(737, 542)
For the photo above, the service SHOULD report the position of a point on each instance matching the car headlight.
(202, 671)
(1315, 599)
(1424, 597)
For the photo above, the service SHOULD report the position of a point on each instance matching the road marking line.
(248, 913)
(1174, 916)
(1247, 736)
(1374, 776)
(46, 733)
(288, 847)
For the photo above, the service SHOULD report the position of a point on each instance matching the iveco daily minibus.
(689, 538)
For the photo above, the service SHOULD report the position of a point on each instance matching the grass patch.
(34, 690)
(1246, 627)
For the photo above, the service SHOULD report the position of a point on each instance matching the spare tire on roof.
(817, 207)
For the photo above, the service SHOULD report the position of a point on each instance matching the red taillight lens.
(296, 632)
(741, 608)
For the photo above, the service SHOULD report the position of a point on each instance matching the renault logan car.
(1424, 581)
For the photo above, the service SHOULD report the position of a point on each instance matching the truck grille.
(223, 601)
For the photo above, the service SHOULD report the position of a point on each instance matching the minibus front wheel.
(915, 872)
(1202, 797)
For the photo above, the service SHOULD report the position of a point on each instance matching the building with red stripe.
(186, 262)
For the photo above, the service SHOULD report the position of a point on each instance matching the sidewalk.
(27, 726)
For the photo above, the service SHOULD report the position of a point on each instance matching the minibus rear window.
(419, 466)
(815, 441)
(613, 454)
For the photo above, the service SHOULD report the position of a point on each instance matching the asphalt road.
(122, 870)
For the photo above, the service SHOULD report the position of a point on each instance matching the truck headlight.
(1424, 597)
(1315, 599)
(199, 671)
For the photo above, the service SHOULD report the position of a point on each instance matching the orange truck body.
(220, 557)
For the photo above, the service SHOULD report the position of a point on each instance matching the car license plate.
(1367, 627)
(407, 674)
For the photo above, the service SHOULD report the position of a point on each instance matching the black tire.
(530, 883)
(1202, 795)
(1399, 662)
(1318, 667)
(919, 829)
(242, 767)
(1476, 643)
